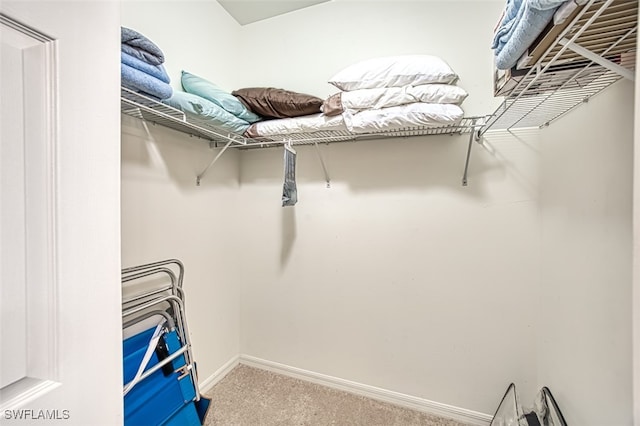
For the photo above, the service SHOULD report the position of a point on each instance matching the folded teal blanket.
(143, 82)
(206, 112)
(139, 46)
(157, 71)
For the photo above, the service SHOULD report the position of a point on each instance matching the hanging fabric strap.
(146, 358)
(289, 189)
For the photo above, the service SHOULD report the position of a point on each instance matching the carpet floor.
(249, 396)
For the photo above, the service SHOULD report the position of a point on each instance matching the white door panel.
(28, 305)
(60, 347)
(13, 363)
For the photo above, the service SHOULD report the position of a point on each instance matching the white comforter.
(287, 126)
(416, 114)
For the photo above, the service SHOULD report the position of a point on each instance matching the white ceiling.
(247, 11)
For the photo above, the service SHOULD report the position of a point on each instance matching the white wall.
(301, 50)
(635, 307)
(636, 255)
(164, 214)
(195, 36)
(585, 293)
(397, 276)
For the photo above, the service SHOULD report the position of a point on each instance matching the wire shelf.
(563, 79)
(150, 110)
(466, 125)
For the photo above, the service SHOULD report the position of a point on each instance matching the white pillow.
(438, 93)
(384, 97)
(394, 71)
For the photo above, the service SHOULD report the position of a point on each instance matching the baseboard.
(408, 401)
(208, 383)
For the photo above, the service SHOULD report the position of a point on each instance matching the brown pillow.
(268, 102)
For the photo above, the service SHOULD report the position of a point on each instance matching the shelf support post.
(324, 167)
(472, 135)
(199, 177)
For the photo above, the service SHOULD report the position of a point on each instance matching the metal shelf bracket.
(199, 177)
(612, 66)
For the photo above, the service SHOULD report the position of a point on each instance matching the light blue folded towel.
(532, 15)
(135, 44)
(156, 71)
(143, 82)
(512, 14)
(523, 21)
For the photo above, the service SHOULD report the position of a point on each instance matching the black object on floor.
(545, 411)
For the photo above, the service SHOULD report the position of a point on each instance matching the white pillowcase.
(437, 93)
(394, 71)
(412, 115)
(566, 10)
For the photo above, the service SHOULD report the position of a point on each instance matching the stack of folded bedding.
(395, 92)
(141, 66)
(380, 94)
(206, 103)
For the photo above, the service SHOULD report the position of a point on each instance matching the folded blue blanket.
(512, 13)
(156, 71)
(135, 44)
(143, 82)
(523, 21)
(206, 112)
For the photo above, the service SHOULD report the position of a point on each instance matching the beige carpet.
(252, 397)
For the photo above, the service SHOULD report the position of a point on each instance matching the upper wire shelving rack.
(595, 50)
(150, 110)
